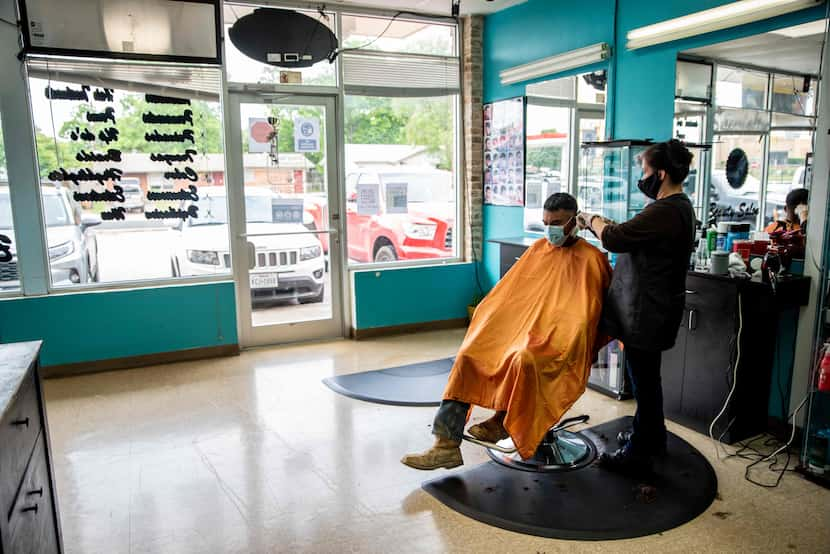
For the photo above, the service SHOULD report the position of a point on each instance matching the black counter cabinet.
(726, 322)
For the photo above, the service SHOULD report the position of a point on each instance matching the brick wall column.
(472, 95)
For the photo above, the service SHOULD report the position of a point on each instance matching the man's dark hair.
(672, 157)
(561, 201)
(796, 197)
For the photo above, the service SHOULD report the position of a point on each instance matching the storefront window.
(740, 88)
(401, 176)
(737, 171)
(398, 35)
(548, 158)
(762, 141)
(690, 122)
(562, 114)
(789, 168)
(9, 278)
(694, 81)
(124, 172)
(794, 95)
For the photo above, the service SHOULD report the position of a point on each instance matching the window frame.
(459, 230)
(128, 284)
(42, 284)
(711, 134)
(577, 111)
(18, 291)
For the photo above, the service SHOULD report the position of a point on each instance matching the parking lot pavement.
(291, 312)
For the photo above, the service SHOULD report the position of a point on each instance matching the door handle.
(692, 319)
(331, 231)
(691, 291)
(251, 255)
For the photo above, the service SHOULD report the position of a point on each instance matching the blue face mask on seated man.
(557, 235)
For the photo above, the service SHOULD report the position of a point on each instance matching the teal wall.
(412, 295)
(82, 327)
(499, 222)
(538, 29)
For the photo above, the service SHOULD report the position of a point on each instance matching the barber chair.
(560, 449)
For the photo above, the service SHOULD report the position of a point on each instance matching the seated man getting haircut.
(529, 348)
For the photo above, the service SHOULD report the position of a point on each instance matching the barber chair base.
(567, 452)
(560, 449)
(588, 502)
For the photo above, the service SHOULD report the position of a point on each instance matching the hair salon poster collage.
(504, 152)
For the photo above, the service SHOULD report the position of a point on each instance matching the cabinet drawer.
(31, 521)
(713, 297)
(18, 431)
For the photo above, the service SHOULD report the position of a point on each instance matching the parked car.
(316, 217)
(286, 266)
(421, 227)
(539, 185)
(72, 251)
(133, 195)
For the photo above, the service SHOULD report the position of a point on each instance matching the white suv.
(286, 266)
(73, 254)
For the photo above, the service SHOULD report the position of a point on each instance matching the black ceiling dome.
(283, 38)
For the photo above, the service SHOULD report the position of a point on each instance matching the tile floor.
(254, 454)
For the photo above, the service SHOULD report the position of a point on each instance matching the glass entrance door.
(284, 210)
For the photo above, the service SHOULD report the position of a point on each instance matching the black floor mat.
(589, 503)
(410, 385)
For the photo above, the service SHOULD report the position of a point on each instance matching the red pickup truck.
(421, 228)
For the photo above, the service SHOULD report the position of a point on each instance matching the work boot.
(445, 453)
(491, 430)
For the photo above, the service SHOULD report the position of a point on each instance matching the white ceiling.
(441, 7)
(794, 49)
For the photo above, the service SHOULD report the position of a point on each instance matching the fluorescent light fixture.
(806, 30)
(715, 19)
(556, 64)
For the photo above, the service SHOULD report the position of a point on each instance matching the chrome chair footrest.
(490, 445)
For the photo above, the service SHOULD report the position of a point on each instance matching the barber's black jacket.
(645, 301)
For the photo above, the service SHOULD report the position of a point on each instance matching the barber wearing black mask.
(647, 293)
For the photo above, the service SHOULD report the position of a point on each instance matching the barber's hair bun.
(679, 155)
(672, 157)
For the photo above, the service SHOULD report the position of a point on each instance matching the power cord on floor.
(734, 382)
(754, 456)
(774, 455)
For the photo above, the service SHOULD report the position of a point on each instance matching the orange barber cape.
(532, 340)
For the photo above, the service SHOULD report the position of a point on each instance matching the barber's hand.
(802, 212)
(584, 220)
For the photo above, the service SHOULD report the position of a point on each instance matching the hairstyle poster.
(504, 152)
